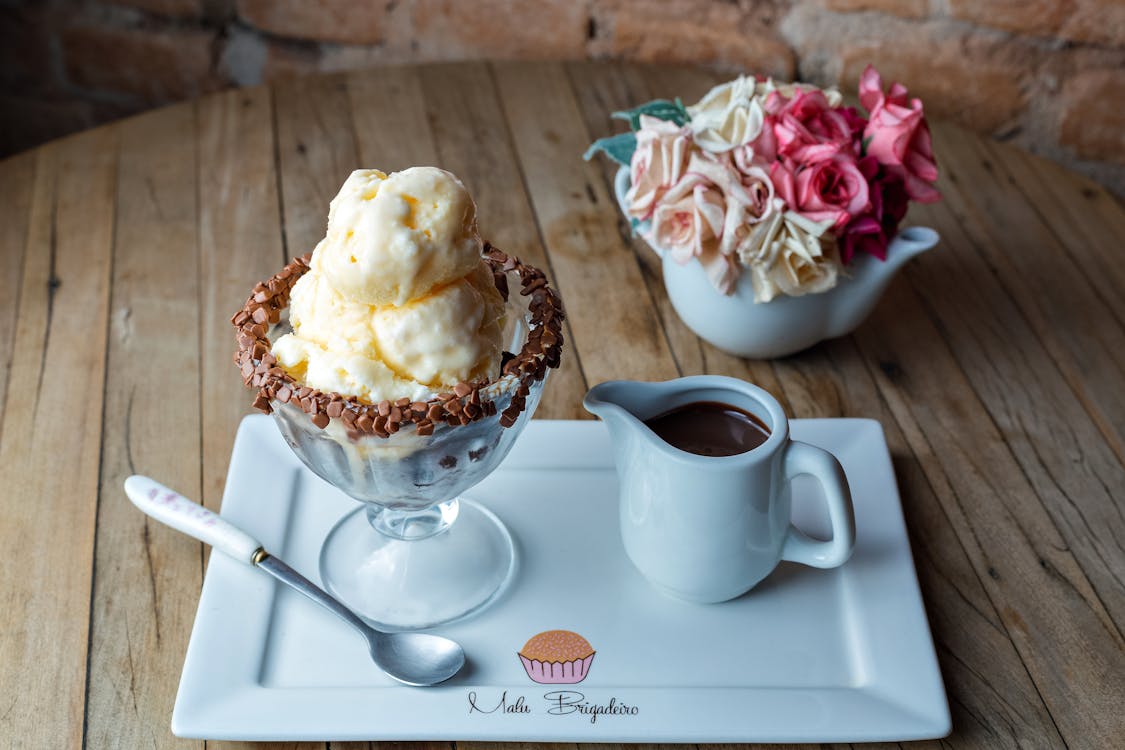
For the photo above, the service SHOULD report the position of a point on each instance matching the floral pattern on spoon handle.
(175, 510)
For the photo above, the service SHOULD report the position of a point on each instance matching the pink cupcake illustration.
(557, 657)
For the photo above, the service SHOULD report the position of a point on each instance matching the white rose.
(729, 116)
(788, 254)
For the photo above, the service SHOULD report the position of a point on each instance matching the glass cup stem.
(412, 525)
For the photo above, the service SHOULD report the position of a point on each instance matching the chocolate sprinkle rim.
(461, 405)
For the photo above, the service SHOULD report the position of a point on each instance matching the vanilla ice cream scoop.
(395, 238)
(398, 301)
(448, 336)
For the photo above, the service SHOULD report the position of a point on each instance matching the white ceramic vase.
(737, 324)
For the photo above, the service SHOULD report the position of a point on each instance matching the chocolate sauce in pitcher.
(710, 428)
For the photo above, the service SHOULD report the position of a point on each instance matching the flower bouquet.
(779, 182)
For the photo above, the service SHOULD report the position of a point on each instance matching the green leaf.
(618, 147)
(662, 109)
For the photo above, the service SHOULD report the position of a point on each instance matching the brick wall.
(1048, 75)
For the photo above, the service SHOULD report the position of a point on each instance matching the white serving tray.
(808, 656)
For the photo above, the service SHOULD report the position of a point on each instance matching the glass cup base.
(414, 583)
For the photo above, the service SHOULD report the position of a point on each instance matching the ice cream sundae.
(400, 359)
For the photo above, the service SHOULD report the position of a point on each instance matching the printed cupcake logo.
(557, 657)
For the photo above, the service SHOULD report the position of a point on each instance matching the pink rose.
(857, 123)
(863, 235)
(834, 190)
(657, 164)
(808, 130)
(775, 102)
(893, 200)
(871, 231)
(898, 136)
(761, 151)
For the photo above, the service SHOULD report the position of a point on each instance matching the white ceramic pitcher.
(709, 528)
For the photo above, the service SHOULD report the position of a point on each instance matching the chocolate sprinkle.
(462, 405)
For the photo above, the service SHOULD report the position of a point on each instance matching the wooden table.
(994, 363)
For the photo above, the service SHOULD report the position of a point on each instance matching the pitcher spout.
(615, 402)
(624, 405)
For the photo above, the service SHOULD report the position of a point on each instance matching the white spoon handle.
(175, 510)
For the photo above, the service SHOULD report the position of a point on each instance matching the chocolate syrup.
(710, 428)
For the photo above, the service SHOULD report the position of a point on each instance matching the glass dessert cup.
(415, 553)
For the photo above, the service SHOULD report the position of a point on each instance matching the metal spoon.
(412, 658)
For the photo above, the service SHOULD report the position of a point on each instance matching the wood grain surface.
(995, 363)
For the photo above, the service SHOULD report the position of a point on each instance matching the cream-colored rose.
(689, 223)
(657, 165)
(768, 86)
(788, 254)
(729, 116)
(689, 219)
(748, 194)
(798, 272)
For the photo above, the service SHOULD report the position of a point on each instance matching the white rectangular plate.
(807, 656)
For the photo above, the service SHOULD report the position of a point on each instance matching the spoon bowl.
(414, 657)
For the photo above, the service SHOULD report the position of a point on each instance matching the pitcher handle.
(802, 458)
